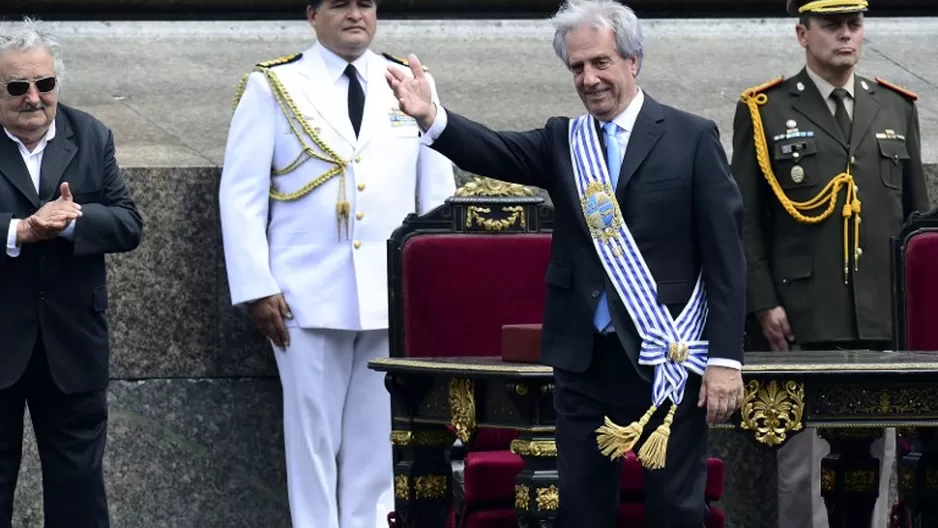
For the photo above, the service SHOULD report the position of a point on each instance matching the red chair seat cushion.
(921, 290)
(490, 476)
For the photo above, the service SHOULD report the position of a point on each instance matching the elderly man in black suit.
(646, 283)
(63, 206)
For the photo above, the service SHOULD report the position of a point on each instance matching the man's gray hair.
(600, 13)
(29, 35)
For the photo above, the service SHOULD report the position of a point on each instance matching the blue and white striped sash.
(671, 346)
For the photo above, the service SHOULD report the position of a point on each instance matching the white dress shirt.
(33, 161)
(827, 88)
(626, 123)
(336, 66)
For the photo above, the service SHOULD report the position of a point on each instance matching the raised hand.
(413, 92)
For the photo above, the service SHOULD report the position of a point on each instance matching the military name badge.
(797, 174)
(399, 118)
(601, 215)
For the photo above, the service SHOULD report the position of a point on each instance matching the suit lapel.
(809, 103)
(322, 93)
(377, 104)
(58, 154)
(865, 108)
(14, 170)
(645, 134)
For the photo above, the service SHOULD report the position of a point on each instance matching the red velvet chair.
(915, 312)
(457, 275)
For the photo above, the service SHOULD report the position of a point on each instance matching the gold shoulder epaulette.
(911, 95)
(262, 66)
(286, 59)
(765, 86)
(399, 60)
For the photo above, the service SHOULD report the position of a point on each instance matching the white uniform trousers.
(337, 425)
(800, 504)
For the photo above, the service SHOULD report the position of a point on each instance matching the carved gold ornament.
(548, 499)
(535, 448)
(421, 438)
(400, 487)
(514, 215)
(772, 411)
(430, 486)
(828, 479)
(860, 480)
(522, 496)
(462, 407)
(480, 186)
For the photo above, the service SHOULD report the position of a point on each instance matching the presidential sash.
(671, 346)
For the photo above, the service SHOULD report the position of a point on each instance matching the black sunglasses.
(18, 88)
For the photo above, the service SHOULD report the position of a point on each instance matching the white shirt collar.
(50, 133)
(626, 120)
(827, 88)
(336, 65)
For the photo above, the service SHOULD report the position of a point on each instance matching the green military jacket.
(799, 263)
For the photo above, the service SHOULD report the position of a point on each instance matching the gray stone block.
(163, 317)
(185, 453)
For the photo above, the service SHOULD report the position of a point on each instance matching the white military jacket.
(333, 273)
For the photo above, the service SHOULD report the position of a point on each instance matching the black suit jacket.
(57, 289)
(678, 199)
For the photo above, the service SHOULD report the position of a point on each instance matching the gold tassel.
(615, 441)
(342, 209)
(655, 450)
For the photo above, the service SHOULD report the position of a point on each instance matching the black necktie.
(356, 99)
(840, 113)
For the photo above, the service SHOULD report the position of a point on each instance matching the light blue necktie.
(601, 318)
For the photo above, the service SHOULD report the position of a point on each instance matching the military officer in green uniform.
(829, 165)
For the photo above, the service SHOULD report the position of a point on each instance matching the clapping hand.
(413, 92)
(50, 219)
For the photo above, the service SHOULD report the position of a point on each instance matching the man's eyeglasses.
(18, 88)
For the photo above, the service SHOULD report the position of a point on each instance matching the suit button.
(357, 244)
(853, 160)
(359, 215)
(594, 294)
(358, 159)
(361, 186)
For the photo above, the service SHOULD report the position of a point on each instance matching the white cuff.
(439, 123)
(12, 249)
(69, 232)
(723, 362)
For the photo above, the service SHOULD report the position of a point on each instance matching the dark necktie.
(356, 99)
(840, 113)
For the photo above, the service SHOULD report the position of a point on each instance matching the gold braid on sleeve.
(302, 130)
(753, 98)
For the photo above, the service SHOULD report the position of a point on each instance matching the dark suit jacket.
(677, 197)
(57, 289)
(801, 266)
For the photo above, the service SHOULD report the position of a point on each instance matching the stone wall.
(195, 438)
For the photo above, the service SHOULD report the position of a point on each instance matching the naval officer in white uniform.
(320, 167)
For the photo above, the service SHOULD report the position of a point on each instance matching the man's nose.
(32, 95)
(589, 76)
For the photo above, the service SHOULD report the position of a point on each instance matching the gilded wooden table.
(849, 396)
